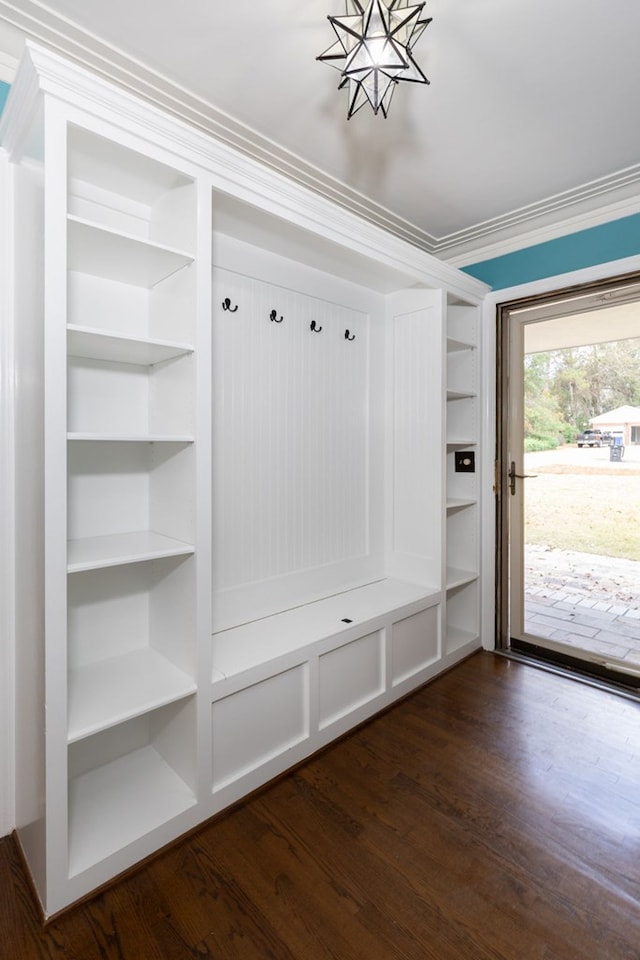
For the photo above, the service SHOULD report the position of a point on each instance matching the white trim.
(601, 271)
(7, 505)
(238, 175)
(573, 224)
(8, 67)
(561, 281)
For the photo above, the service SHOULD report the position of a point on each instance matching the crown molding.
(236, 174)
(519, 239)
(550, 218)
(539, 223)
(8, 67)
(38, 22)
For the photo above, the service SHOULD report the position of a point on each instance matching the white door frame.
(601, 271)
(7, 505)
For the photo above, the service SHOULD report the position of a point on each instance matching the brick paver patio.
(584, 601)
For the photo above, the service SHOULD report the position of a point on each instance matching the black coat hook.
(273, 317)
(226, 305)
(314, 328)
(347, 337)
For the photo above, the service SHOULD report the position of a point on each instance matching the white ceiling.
(529, 127)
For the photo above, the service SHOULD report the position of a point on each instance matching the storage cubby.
(462, 615)
(128, 780)
(131, 236)
(462, 543)
(118, 488)
(461, 420)
(128, 193)
(133, 311)
(131, 642)
(462, 487)
(134, 401)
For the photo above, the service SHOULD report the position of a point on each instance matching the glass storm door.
(569, 480)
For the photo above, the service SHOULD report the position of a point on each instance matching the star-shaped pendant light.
(373, 51)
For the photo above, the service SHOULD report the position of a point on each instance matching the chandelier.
(373, 51)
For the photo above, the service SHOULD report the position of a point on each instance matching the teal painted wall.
(601, 244)
(4, 91)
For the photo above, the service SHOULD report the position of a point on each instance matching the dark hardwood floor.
(493, 814)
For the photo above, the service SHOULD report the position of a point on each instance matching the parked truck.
(593, 438)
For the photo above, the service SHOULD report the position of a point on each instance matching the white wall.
(7, 719)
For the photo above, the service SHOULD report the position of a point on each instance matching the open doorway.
(569, 503)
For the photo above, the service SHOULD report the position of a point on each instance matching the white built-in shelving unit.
(130, 340)
(462, 553)
(239, 528)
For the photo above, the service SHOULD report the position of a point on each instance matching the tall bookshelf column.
(462, 549)
(132, 493)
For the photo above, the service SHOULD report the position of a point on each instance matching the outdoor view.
(582, 511)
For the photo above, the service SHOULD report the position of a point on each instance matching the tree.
(564, 389)
(542, 418)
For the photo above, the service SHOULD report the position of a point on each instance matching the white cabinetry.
(113, 341)
(462, 551)
(231, 531)
(131, 640)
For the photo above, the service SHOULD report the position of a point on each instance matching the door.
(568, 531)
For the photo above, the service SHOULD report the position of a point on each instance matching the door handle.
(513, 476)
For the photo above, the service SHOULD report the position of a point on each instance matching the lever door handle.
(513, 476)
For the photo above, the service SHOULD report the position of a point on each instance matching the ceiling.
(603, 315)
(528, 129)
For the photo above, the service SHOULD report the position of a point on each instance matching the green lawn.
(586, 513)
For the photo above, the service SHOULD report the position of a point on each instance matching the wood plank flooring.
(493, 815)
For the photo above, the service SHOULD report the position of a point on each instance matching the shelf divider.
(111, 691)
(94, 553)
(95, 344)
(133, 438)
(101, 252)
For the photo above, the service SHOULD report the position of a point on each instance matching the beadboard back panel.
(414, 463)
(292, 447)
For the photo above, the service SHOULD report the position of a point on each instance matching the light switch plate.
(465, 461)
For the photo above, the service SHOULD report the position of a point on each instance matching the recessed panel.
(349, 677)
(414, 644)
(253, 726)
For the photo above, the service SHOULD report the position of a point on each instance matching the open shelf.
(129, 779)
(462, 615)
(457, 638)
(108, 692)
(460, 395)
(459, 503)
(93, 553)
(457, 578)
(460, 444)
(108, 398)
(456, 346)
(132, 192)
(105, 345)
(121, 801)
(113, 255)
(134, 438)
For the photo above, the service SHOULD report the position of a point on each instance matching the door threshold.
(591, 674)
